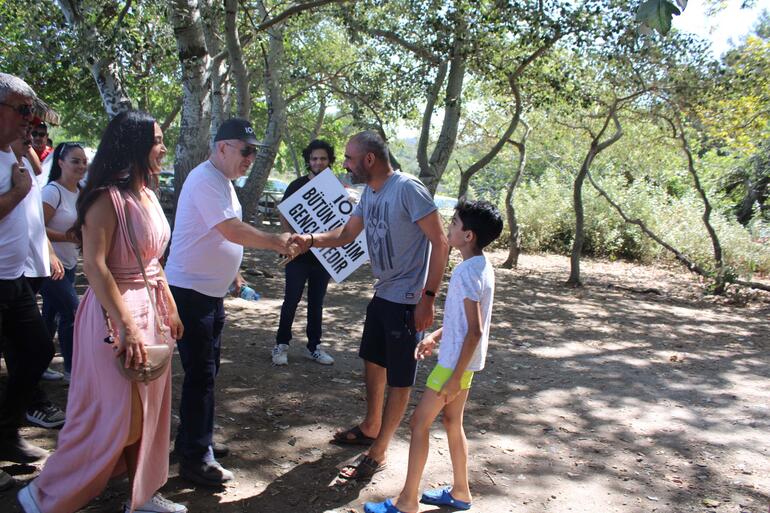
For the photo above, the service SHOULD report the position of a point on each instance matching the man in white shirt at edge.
(41, 264)
(206, 252)
(27, 347)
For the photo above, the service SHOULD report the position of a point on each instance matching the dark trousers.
(203, 318)
(39, 399)
(59, 297)
(298, 272)
(27, 347)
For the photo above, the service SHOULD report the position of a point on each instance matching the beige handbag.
(158, 355)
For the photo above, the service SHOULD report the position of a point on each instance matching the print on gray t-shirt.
(398, 249)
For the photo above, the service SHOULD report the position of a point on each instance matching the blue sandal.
(443, 497)
(381, 507)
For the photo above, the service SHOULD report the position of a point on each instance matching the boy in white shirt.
(464, 339)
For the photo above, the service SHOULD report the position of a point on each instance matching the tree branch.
(172, 115)
(618, 131)
(681, 257)
(119, 22)
(465, 176)
(417, 50)
(535, 55)
(514, 240)
(678, 127)
(291, 11)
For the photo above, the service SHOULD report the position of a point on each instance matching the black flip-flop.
(363, 470)
(358, 437)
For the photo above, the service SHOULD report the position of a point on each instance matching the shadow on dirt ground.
(633, 393)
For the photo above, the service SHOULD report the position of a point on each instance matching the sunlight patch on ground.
(569, 349)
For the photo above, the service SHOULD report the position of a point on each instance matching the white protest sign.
(319, 206)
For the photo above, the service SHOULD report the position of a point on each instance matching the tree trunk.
(577, 201)
(514, 238)
(756, 193)
(276, 119)
(239, 71)
(427, 116)
(298, 168)
(319, 120)
(465, 176)
(114, 97)
(193, 145)
(465, 180)
(217, 70)
(597, 146)
(104, 68)
(171, 115)
(447, 138)
(720, 279)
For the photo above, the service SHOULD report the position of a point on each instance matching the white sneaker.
(319, 355)
(280, 354)
(51, 375)
(158, 504)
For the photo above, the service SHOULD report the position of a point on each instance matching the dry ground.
(610, 398)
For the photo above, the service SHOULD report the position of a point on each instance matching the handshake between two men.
(294, 244)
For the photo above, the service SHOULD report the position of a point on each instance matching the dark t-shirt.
(309, 257)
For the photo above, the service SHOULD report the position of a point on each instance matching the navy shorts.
(389, 340)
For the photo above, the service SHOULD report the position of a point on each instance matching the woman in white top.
(60, 197)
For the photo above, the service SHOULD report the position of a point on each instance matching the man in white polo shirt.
(27, 346)
(206, 252)
(42, 263)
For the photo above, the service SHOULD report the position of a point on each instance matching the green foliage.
(53, 58)
(657, 14)
(546, 219)
(351, 69)
(38, 48)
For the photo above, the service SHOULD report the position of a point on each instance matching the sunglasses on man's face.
(22, 110)
(246, 151)
(35, 133)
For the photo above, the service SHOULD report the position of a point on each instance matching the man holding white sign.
(305, 268)
(408, 252)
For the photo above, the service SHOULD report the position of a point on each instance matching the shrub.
(546, 220)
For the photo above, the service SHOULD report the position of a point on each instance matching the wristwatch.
(429, 293)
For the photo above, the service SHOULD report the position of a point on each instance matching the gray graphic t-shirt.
(398, 249)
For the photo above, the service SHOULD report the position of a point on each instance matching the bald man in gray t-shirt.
(408, 252)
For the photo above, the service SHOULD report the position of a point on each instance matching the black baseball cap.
(236, 128)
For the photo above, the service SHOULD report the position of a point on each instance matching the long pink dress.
(91, 444)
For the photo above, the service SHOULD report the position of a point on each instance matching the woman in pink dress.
(114, 425)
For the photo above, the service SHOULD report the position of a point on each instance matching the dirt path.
(611, 398)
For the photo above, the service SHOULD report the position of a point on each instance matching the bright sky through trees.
(730, 24)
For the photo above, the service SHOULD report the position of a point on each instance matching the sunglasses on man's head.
(23, 110)
(246, 151)
(35, 133)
